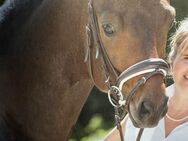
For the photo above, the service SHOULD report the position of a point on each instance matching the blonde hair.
(179, 40)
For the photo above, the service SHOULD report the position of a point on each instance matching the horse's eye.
(108, 29)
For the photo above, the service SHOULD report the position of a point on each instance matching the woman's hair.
(179, 40)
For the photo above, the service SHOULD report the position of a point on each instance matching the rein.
(148, 67)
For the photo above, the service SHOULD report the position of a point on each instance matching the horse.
(51, 56)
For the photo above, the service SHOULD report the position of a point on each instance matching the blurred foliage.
(181, 7)
(1, 2)
(94, 127)
(96, 118)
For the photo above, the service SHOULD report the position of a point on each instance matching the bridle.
(148, 68)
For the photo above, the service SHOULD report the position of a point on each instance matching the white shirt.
(180, 133)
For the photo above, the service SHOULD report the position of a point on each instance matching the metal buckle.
(117, 91)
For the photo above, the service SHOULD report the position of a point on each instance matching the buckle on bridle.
(115, 97)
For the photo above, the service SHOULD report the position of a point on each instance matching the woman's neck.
(178, 103)
(180, 94)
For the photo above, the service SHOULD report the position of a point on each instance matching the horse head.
(120, 34)
(44, 81)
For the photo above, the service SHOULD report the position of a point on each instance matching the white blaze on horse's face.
(132, 32)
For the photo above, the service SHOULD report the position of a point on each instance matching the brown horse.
(44, 80)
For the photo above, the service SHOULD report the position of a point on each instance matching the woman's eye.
(108, 29)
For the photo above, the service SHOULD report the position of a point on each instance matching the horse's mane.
(13, 14)
(13, 9)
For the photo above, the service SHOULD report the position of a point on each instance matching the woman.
(174, 126)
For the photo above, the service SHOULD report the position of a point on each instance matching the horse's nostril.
(145, 110)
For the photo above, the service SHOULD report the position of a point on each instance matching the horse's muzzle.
(148, 114)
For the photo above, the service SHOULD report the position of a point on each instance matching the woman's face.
(180, 70)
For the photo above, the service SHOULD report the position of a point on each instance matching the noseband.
(147, 68)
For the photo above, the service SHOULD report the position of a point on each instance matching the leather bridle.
(148, 68)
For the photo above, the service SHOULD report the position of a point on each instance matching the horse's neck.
(43, 68)
(41, 22)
